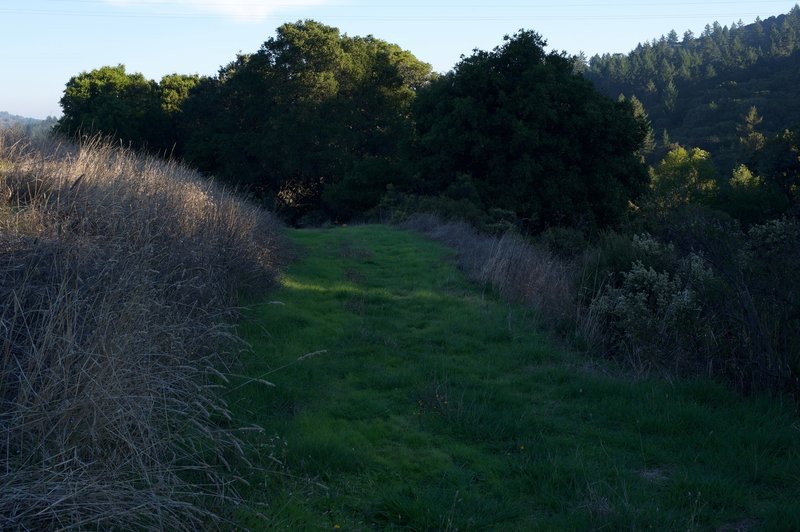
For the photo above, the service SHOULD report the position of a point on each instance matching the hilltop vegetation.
(324, 126)
(673, 239)
(698, 89)
(395, 393)
(321, 125)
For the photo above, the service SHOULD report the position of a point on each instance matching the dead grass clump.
(512, 266)
(118, 274)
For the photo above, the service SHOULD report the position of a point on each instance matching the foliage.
(779, 165)
(321, 123)
(773, 253)
(751, 138)
(564, 242)
(530, 136)
(764, 189)
(128, 107)
(652, 318)
(699, 87)
(683, 177)
(312, 109)
(701, 296)
(110, 101)
(751, 200)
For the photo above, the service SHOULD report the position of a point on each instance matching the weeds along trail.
(118, 279)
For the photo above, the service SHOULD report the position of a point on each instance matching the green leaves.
(683, 177)
(535, 138)
(312, 109)
(111, 101)
(128, 107)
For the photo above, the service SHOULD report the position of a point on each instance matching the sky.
(43, 43)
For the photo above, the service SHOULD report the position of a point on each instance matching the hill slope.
(430, 404)
(31, 126)
(700, 88)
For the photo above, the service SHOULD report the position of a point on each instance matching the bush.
(701, 298)
(565, 242)
(398, 207)
(119, 274)
(773, 253)
(696, 297)
(653, 318)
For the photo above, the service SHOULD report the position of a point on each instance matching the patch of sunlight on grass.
(310, 287)
(438, 406)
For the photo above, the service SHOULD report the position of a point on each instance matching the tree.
(672, 38)
(110, 101)
(683, 177)
(649, 142)
(532, 137)
(670, 95)
(750, 139)
(581, 63)
(311, 111)
(749, 199)
(778, 163)
(174, 89)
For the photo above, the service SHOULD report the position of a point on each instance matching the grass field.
(428, 403)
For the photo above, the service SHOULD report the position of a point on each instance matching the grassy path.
(436, 406)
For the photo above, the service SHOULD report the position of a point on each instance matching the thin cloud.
(240, 10)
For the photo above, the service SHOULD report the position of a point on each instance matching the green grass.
(437, 406)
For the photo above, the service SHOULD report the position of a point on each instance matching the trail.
(430, 404)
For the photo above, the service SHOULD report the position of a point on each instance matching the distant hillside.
(699, 89)
(32, 126)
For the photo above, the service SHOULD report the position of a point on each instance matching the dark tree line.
(324, 125)
(517, 129)
(687, 262)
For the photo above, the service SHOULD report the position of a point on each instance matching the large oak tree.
(313, 110)
(531, 136)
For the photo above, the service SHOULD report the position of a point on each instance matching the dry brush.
(119, 277)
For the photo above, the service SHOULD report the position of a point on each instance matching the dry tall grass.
(118, 275)
(513, 267)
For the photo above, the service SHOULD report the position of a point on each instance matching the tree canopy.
(312, 109)
(531, 137)
(699, 87)
(127, 106)
(319, 124)
(110, 101)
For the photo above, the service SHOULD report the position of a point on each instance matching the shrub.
(118, 274)
(701, 298)
(565, 242)
(695, 297)
(652, 319)
(773, 253)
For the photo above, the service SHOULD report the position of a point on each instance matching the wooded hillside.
(699, 88)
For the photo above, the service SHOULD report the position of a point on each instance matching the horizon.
(159, 37)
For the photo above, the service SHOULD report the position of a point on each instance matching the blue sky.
(45, 42)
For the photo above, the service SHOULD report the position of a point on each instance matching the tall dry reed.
(118, 279)
(514, 267)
